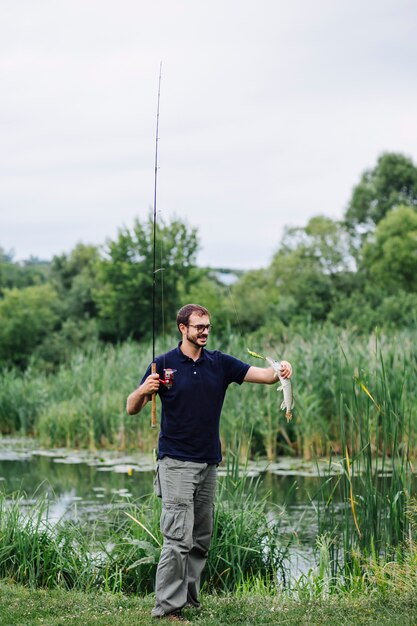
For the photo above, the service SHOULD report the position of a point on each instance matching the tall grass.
(123, 556)
(83, 403)
(247, 543)
(375, 479)
(325, 364)
(23, 397)
(246, 555)
(34, 552)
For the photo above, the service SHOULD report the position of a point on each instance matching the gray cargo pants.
(187, 490)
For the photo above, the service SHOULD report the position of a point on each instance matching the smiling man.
(189, 450)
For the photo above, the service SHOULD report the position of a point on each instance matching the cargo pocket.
(173, 520)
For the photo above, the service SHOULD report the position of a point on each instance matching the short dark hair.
(183, 315)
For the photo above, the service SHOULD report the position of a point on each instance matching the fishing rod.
(153, 367)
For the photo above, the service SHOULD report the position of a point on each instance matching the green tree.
(311, 265)
(23, 274)
(75, 278)
(390, 257)
(27, 317)
(392, 182)
(253, 300)
(124, 292)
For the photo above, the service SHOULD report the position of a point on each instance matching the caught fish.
(287, 404)
(285, 386)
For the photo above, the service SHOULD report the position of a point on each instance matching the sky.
(270, 111)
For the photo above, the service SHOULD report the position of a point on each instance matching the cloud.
(270, 111)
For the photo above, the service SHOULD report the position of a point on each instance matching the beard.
(195, 340)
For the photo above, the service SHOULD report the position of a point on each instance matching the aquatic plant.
(83, 403)
(375, 478)
(35, 552)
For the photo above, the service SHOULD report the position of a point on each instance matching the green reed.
(83, 403)
(22, 399)
(375, 474)
(247, 542)
(35, 552)
(122, 555)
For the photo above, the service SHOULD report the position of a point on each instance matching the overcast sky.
(270, 111)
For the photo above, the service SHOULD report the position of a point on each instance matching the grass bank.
(20, 606)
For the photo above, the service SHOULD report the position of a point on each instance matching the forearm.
(262, 375)
(268, 375)
(136, 401)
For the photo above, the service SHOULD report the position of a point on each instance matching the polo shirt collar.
(184, 357)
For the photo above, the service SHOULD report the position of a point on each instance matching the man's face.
(196, 336)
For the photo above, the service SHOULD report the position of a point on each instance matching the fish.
(287, 404)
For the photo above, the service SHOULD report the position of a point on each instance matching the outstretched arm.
(267, 375)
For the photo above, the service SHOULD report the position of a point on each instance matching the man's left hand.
(286, 369)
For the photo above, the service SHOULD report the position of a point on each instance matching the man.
(189, 451)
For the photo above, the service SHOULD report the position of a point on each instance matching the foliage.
(83, 403)
(390, 257)
(75, 277)
(391, 183)
(246, 541)
(19, 275)
(357, 273)
(311, 270)
(33, 552)
(27, 317)
(124, 294)
(37, 552)
(22, 399)
(86, 401)
(252, 301)
(60, 346)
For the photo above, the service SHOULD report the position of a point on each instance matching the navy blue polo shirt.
(190, 416)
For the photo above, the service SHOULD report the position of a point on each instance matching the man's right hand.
(141, 396)
(150, 385)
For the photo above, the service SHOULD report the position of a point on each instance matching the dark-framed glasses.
(201, 327)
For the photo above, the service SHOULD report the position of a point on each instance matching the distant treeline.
(357, 273)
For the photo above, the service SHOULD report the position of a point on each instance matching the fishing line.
(153, 366)
(162, 269)
(154, 216)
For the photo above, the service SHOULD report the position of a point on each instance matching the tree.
(27, 317)
(390, 257)
(75, 278)
(392, 182)
(253, 300)
(309, 264)
(23, 274)
(124, 292)
(323, 240)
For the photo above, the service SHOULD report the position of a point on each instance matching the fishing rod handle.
(153, 418)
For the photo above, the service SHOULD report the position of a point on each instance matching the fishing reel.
(168, 379)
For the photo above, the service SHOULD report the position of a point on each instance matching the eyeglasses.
(201, 327)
